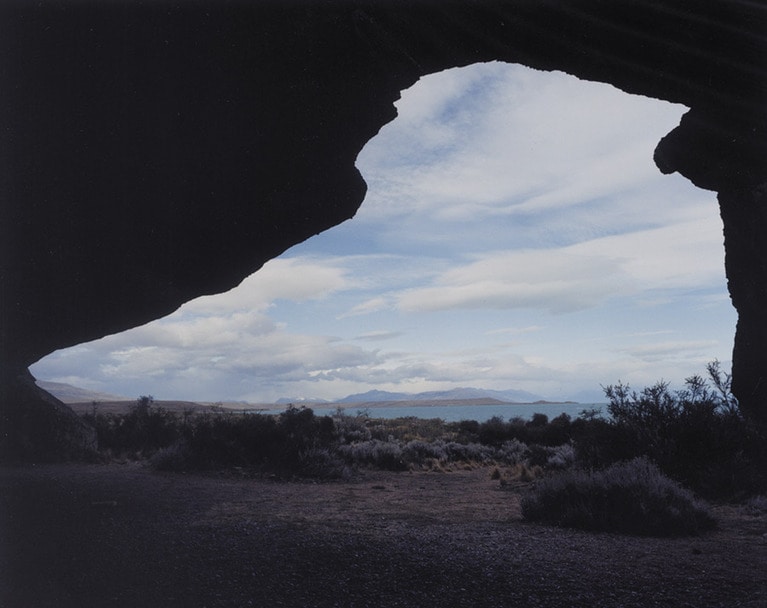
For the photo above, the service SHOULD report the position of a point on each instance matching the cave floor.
(121, 535)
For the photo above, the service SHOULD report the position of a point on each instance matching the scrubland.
(647, 461)
(658, 501)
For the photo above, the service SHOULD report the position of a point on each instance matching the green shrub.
(631, 497)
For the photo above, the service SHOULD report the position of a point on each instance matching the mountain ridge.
(73, 394)
(461, 393)
(68, 393)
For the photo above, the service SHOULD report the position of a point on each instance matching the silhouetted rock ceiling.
(153, 152)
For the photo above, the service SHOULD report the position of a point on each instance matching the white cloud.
(298, 279)
(522, 141)
(664, 350)
(514, 331)
(380, 335)
(367, 307)
(683, 256)
(551, 280)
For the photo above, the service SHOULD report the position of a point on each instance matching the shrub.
(695, 435)
(382, 454)
(466, 431)
(466, 452)
(323, 463)
(494, 431)
(512, 452)
(599, 442)
(538, 430)
(298, 432)
(175, 457)
(218, 440)
(351, 428)
(631, 497)
(561, 457)
(408, 428)
(142, 431)
(294, 443)
(418, 452)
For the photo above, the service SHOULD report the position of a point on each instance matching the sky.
(516, 234)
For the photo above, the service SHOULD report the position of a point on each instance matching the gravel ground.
(82, 536)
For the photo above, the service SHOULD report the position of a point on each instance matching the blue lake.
(480, 413)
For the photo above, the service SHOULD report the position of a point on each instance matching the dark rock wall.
(34, 425)
(152, 152)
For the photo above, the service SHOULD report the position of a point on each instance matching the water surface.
(480, 413)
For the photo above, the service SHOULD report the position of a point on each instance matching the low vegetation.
(696, 436)
(631, 497)
(624, 471)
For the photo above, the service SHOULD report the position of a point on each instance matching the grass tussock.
(631, 497)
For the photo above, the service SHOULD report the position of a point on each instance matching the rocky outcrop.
(155, 152)
(729, 155)
(35, 425)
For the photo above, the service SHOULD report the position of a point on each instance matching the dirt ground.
(75, 535)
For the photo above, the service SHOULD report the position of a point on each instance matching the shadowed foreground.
(121, 535)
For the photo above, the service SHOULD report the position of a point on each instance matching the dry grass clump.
(520, 472)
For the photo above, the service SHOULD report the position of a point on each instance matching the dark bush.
(538, 430)
(538, 421)
(466, 431)
(281, 444)
(599, 442)
(298, 432)
(631, 497)
(141, 432)
(696, 435)
(494, 431)
(218, 440)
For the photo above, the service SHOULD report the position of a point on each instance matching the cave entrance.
(516, 234)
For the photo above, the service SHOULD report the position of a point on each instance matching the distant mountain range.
(455, 394)
(72, 394)
(301, 401)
